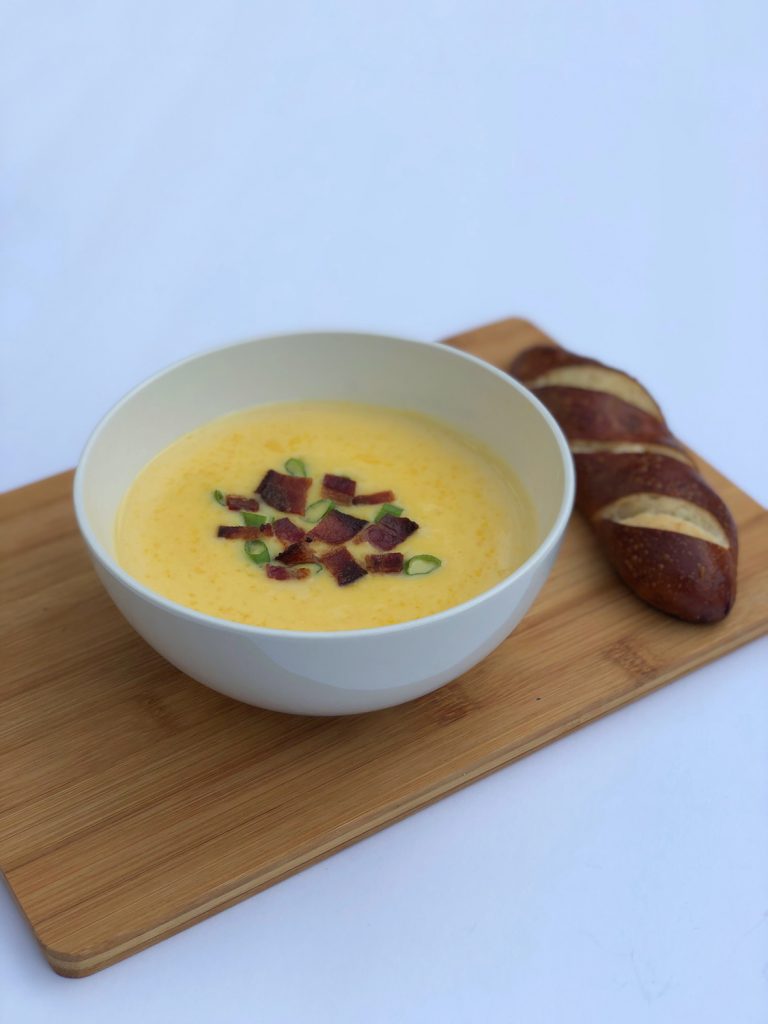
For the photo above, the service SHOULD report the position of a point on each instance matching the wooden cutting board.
(135, 802)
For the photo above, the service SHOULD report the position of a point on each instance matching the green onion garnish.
(295, 467)
(318, 509)
(313, 567)
(257, 551)
(421, 565)
(219, 496)
(253, 518)
(388, 510)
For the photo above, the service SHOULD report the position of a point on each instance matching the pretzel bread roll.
(668, 535)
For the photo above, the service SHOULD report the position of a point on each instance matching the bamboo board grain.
(135, 802)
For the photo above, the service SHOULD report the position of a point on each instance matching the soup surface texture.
(472, 515)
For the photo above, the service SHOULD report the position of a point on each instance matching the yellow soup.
(472, 515)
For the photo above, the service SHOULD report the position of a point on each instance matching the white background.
(179, 175)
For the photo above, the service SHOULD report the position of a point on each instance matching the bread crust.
(603, 477)
(534, 365)
(672, 568)
(682, 576)
(596, 416)
(539, 359)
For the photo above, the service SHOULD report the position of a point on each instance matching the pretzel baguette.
(668, 535)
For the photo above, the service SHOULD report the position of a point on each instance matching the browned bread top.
(605, 478)
(668, 535)
(597, 416)
(680, 575)
(540, 359)
(547, 366)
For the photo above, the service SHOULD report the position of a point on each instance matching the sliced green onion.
(219, 496)
(257, 551)
(388, 510)
(421, 565)
(295, 467)
(314, 567)
(318, 509)
(253, 518)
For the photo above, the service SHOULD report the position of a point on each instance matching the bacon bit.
(287, 532)
(389, 532)
(279, 572)
(342, 566)
(379, 498)
(340, 489)
(297, 554)
(391, 562)
(285, 493)
(240, 532)
(266, 530)
(337, 527)
(238, 503)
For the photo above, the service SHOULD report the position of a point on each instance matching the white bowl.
(349, 671)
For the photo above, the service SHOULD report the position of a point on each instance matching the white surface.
(341, 672)
(180, 175)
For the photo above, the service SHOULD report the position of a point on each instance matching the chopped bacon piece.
(278, 572)
(297, 554)
(238, 503)
(342, 566)
(389, 532)
(285, 493)
(288, 532)
(266, 530)
(339, 489)
(337, 527)
(379, 498)
(240, 532)
(392, 561)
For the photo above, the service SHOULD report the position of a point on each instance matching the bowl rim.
(539, 554)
